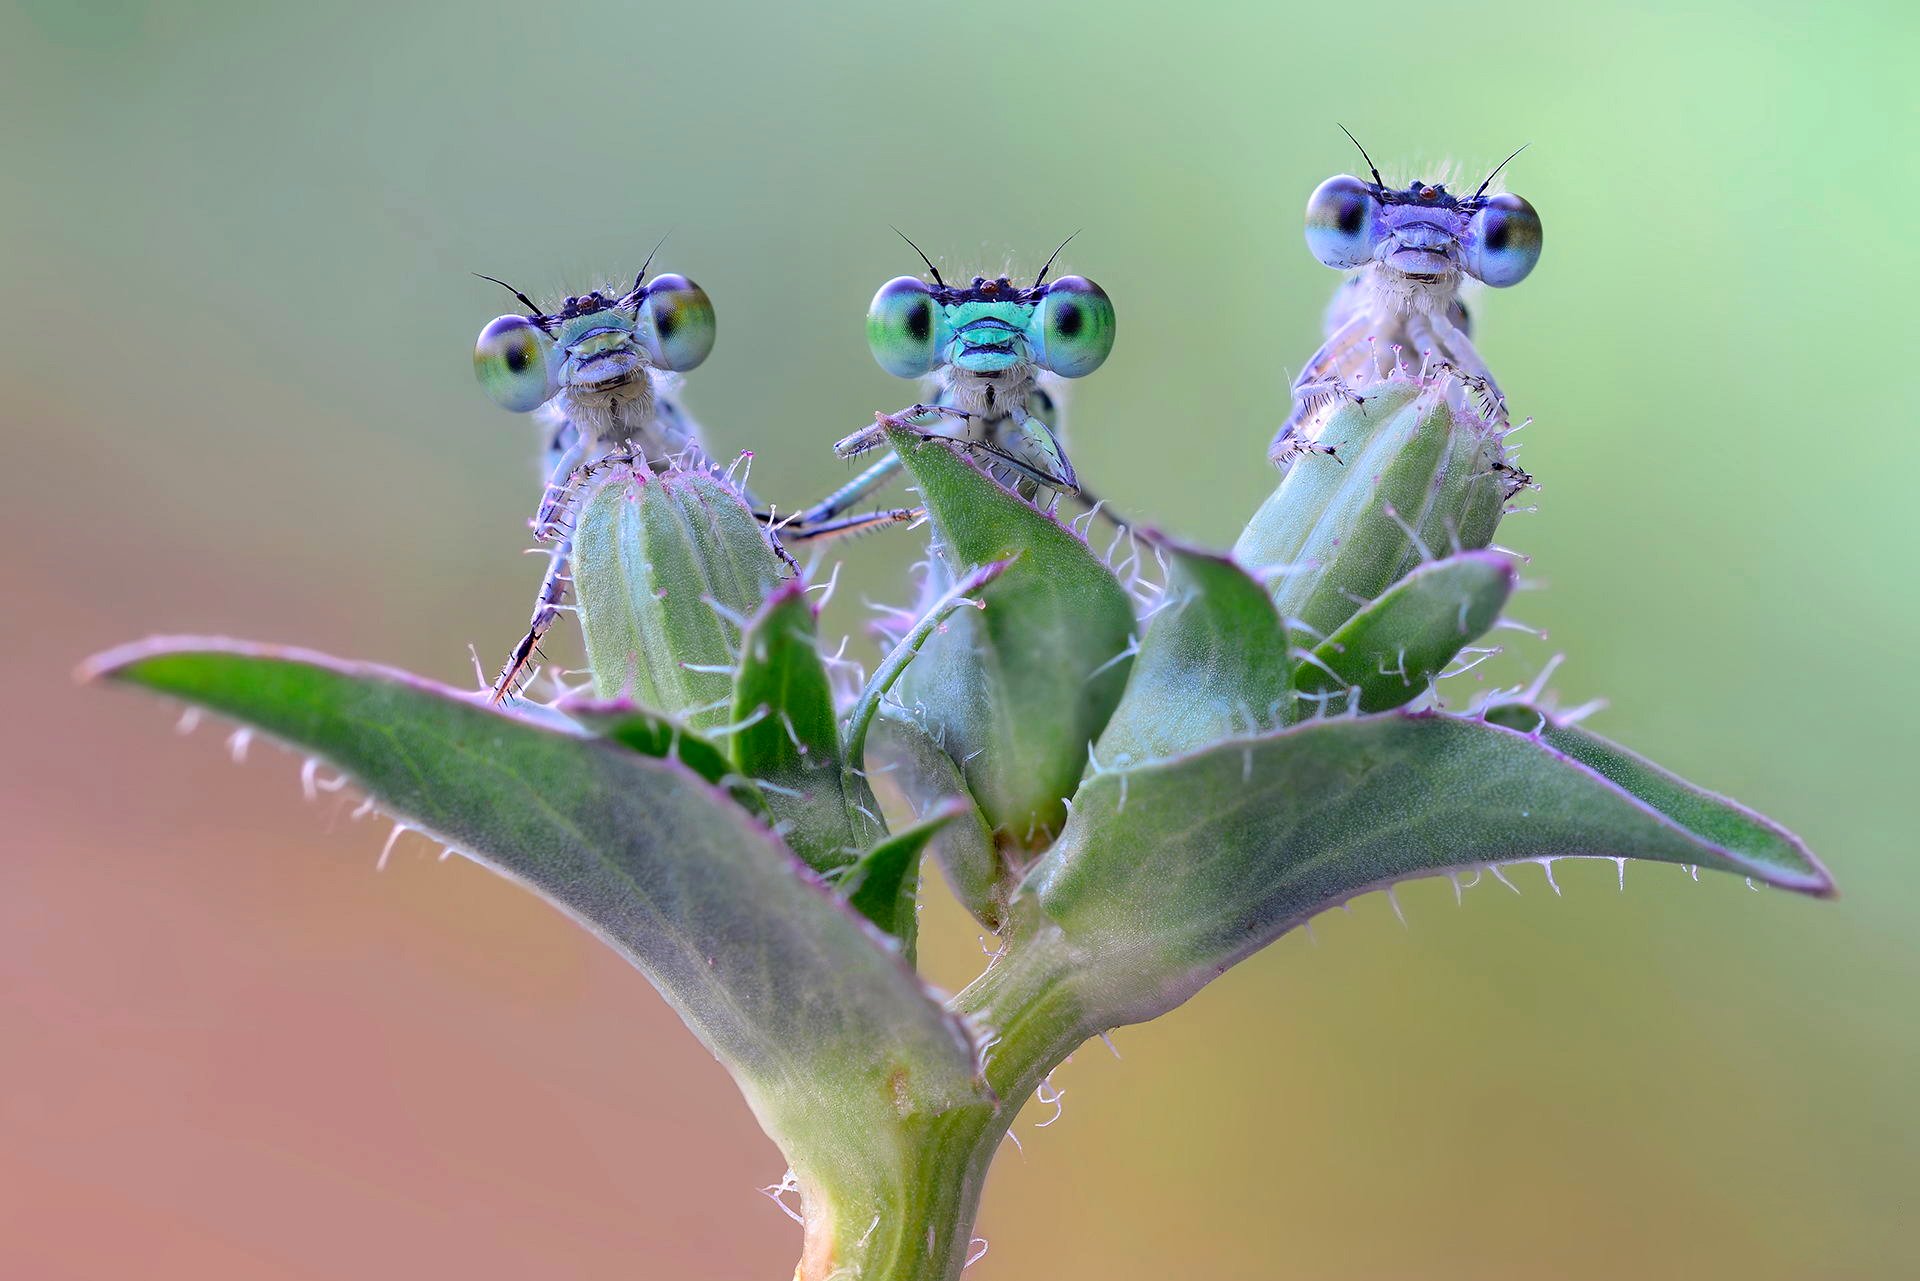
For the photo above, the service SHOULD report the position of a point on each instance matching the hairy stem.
(914, 1220)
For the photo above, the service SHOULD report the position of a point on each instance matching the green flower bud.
(1014, 691)
(1408, 472)
(667, 567)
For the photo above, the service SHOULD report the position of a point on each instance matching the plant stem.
(914, 1221)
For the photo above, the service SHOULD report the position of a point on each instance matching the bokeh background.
(238, 316)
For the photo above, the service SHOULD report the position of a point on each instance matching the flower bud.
(1408, 471)
(667, 566)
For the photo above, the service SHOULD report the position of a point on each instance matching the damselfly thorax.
(1411, 251)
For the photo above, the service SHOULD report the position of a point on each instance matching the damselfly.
(1413, 248)
(990, 352)
(601, 374)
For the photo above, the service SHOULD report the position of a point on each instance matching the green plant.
(1135, 785)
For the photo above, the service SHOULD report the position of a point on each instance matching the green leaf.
(788, 737)
(1212, 665)
(790, 989)
(963, 594)
(1762, 843)
(883, 885)
(651, 733)
(666, 568)
(964, 847)
(1169, 874)
(926, 776)
(1393, 648)
(1015, 691)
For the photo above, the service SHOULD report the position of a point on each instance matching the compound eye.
(1342, 215)
(1503, 242)
(1073, 329)
(904, 326)
(510, 359)
(676, 323)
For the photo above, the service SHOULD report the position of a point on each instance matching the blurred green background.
(237, 398)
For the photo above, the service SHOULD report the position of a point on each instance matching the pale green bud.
(1409, 472)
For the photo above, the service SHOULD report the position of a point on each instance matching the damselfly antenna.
(534, 313)
(1041, 279)
(1497, 168)
(641, 277)
(923, 258)
(1371, 167)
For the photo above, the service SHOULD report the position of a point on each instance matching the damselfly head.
(593, 343)
(990, 326)
(1423, 230)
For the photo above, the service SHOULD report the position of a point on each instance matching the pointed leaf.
(787, 987)
(1169, 874)
(1393, 648)
(1727, 824)
(964, 594)
(1212, 665)
(651, 733)
(883, 885)
(788, 737)
(964, 847)
(1015, 691)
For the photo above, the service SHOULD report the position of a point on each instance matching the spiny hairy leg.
(826, 518)
(912, 417)
(1290, 442)
(1449, 349)
(846, 526)
(547, 608)
(850, 493)
(1323, 378)
(553, 523)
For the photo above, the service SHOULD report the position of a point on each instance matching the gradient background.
(237, 398)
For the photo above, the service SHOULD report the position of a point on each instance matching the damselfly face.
(1424, 232)
(991, 327)
(985, 346)
(595, 348)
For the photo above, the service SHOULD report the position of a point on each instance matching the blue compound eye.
(676, 323)
(1503, 242)
(904, 327)
(510, 359)
(1073, 328)
(1341, 218)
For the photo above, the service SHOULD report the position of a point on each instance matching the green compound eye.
(510, 359)
(1503, 242)
(904, 327)
(676, 323)
(1073, 329)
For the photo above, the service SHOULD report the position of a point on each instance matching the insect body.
(1410, 250)
(601, 373)
(988, 350)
